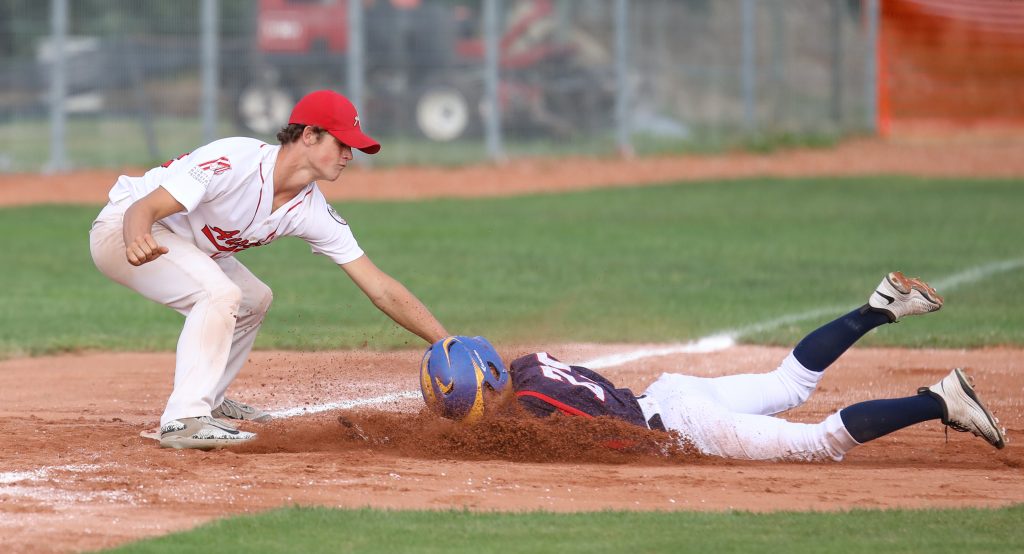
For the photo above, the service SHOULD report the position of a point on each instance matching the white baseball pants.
(731, 416)
(222, 301)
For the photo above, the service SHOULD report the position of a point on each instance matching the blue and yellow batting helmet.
(456, 372)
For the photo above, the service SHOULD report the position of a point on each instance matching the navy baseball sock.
(869, 420)
(824, 345)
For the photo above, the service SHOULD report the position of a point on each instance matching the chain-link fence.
(114, 83)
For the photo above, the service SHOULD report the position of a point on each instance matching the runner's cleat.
(899, 296)
(963, 411)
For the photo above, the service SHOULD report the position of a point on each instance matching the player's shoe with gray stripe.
(231, 409)
(899, 296)
(203, 433)
(962, 410)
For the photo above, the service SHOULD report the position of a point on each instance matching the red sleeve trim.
(564, 408)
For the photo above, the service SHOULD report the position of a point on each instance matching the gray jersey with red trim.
(544, 385)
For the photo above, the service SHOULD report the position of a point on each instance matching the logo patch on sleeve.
(334, 214)
(200, 176)
(218, 166)
(203, 173)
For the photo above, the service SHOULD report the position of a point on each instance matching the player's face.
(329, 157)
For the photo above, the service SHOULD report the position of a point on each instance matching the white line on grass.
(725, 339)
(974, 274)
(710, 343)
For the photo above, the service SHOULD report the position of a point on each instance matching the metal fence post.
(777, 69)
(622, 87)
(355, 73)
(837, 61)
(209, 63)
(492, 62)
(748, 68)
(58, 85)
(871, 66)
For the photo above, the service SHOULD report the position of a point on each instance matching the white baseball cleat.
(202, 433)
(230, 409)
(962, 409)
(899, 296)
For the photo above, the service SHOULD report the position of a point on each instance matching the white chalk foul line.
(346, 404)
(44, 473)
(975, 274)
(710, 343)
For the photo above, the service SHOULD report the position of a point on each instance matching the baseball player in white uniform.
(733, 416)
(171, 236)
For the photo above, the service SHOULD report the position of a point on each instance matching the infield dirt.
(75, 474)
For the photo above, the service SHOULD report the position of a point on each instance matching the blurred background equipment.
(423, 66)
(112, 83)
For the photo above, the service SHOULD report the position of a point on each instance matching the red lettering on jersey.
(228, 241)
(222, 234)
(218, 166)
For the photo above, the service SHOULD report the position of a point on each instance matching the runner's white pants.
(731, 416)
(222, 301)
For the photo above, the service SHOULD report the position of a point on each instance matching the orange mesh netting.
(951, 61)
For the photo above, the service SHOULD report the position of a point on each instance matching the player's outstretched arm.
(140, 246)
(392, 298)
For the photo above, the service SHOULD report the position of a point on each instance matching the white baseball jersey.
(227, 189)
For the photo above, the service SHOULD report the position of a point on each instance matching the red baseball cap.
(335, 113)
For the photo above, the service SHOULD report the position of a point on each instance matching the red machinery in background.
(424, 67)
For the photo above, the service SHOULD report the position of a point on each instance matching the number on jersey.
(557, 371)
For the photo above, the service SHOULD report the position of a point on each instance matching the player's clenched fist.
(144, 249)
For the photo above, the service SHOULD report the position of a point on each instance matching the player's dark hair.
(293, 132)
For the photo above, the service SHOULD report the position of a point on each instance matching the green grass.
(645, 264)
(312, 530)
